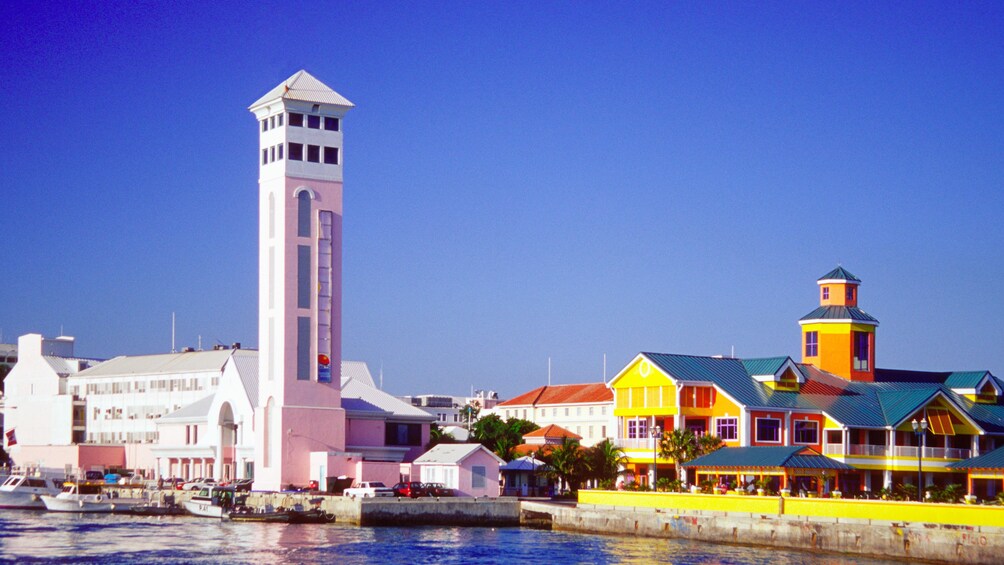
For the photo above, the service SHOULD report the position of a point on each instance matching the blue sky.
(522, 180)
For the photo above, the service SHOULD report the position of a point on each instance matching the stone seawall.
(871, 538)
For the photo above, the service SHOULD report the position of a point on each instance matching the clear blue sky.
(523, 180)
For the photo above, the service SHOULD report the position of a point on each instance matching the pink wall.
(364, 432)
(83, 457)
(480, 458)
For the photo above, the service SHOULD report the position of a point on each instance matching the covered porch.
(795, 469)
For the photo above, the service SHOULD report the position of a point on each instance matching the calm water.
(41, 536)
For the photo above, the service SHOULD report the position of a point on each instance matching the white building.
(451, 410)
(586, 409)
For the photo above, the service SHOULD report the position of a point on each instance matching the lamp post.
(656, 434)
(920, 430)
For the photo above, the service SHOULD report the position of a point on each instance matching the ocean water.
(79, 538)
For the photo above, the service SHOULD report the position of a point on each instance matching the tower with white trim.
(299, 408)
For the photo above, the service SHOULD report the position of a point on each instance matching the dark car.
(242, 485)
(439, 489)
(94, 476)
(410, 490)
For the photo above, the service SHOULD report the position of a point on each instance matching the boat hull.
(21, 500)
(55, 504)
(204, 508)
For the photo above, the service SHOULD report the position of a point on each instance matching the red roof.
(552, 430)
(590, 393)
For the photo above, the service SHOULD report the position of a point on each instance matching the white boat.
(22, 491)
(88, 497)
(211, 502)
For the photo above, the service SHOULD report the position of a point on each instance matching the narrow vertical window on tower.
(811, 344)
(280, 119)
(850, 293)
(331, 155)
(303, 348)
(861, 351)
(295, 120)
(295, 151)
(303, 276)
(314, 122)
(303, 214)
(314, 153)
(826, 293)
(264, 156)
(331, 124)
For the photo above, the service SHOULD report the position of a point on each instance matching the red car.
(410, 490)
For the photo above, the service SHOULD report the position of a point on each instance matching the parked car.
(112, 478)
(369, 489)
(132, 480)
(199, 484)
(242, 485)
(439, 489)
(411, 489)
(94, 476)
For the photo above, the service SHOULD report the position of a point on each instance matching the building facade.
(835, 401)
(585, 409)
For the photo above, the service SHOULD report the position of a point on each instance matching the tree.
(501, 437)
(566, 463)
(683, 445)
(438, 436)
(604, 460)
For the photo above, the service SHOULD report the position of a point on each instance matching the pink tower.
(299, 408)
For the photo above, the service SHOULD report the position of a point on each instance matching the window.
(314, 153)
(727, 429)
(578, 410)
(637, 429)
(331, 155)
(850, 293)
(264, 156)
(280, 120)
(806, 431)
(264, 125)
(303, 276)
(811, 344)
(314, 122)
(272, 153)
(590, 431)
(271, 122)
(331, 124)
(603, 431)
(590, 410)
(303, 348)
(566, 411)
(280, 151)
(861, 351)
(478, 474)
(303, 214)
(826, 293)
(403, 434)
(295, 120)
(768, 430)
(295, 151)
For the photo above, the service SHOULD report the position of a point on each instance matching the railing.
(932, 452)
(897, 451)
(636, 444)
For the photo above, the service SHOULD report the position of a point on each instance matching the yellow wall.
(724, 407)
(643, 382)
(836, 351)
(913, 512)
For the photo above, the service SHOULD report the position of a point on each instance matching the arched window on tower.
(303, 213)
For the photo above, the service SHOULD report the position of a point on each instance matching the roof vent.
(236, 345)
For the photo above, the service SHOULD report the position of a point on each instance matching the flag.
(11, 438)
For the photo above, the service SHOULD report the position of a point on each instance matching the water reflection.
(75, 537)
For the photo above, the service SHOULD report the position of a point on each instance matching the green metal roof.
(839, 313)
(992, 460)
(764, 366)
(965, 379)
(840, 274)
(787, 457)
(898, 404)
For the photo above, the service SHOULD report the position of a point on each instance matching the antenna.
(173, 350)
(200, 342)
(381, 374)
(60, 329)
(733, 352)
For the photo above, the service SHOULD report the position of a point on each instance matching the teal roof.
(840, 313)
(787, 457)
(875, 405)
(765, 366)
(840, 274)
(992, 460)
(965, 379)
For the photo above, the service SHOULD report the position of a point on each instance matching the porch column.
(786, 433)
(847, 441)
(887, 479)
(868, 480)
(975, 447)
(218, 467)
(836, 480)
(969, 484)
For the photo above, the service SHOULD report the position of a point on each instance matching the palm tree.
(566, 463)
(605, 460)
(680, 446)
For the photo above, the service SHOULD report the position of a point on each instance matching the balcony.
(634, 444)
(896, 451)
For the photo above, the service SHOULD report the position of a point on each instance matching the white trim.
(307, 189)
(818, 437)
(844, 321)
(838, 281)
(715, 420)
(780, 431)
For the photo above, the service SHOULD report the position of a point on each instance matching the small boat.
(167, 507)
(247, 514)
(22, 491)
(315, 516)
(88, 497)
(211, 502)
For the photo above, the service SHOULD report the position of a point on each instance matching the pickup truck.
(369, 490)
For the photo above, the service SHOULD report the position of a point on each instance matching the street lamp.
(920, 429)
(656, 434)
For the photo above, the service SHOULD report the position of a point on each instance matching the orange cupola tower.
(838, 337)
